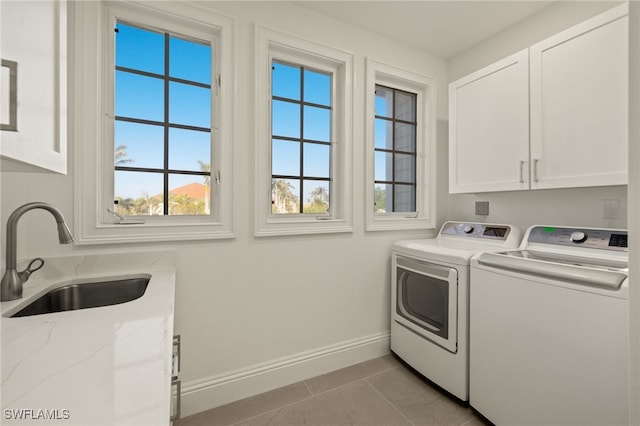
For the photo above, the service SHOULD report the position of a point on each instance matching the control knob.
(467, 229)
(578, 237)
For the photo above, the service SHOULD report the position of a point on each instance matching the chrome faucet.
(12, 280)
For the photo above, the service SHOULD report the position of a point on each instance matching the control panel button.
(578, 237)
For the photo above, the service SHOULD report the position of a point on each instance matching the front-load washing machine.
(429, 299)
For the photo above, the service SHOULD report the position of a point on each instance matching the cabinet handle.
(535, 170)
(521, 171)
(175, 359)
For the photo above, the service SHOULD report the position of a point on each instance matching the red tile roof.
(193, 190)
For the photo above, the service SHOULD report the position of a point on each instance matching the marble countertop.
(100, 366)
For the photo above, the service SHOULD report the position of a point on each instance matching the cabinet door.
(489, 128)
(579, 91)
(34, 42)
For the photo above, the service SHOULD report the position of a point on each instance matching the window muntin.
(395, 130)
(301, 139)
(162, 123)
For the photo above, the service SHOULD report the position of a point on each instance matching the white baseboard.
(211, 392)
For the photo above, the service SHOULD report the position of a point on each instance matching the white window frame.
(425, 88)
(93, 24)
(273, 45)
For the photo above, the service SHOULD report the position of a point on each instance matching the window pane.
(189, 60)
(138, 193)
(189, 150)
(189, 105)
(383, 197)
(188, 195)
(405, 106)
(316, 197)
(285, 81)
(317, 124)
(138, 145)
(405, 168)
(383, 166)
(285, 158)
(384, 102)
(139, 96)
(383, 134)
(405, 198)
(317, 160)
(286, 119)
(405, 137)
(284, 196)
(317, 88)
(139, 49)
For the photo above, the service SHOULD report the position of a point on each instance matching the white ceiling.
(444, 28)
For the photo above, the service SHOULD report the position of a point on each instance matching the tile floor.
(382, 391)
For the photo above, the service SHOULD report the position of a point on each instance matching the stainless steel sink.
(83, 295)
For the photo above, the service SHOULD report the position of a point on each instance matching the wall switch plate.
(482, 208)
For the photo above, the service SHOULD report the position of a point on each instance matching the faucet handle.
(24, 275)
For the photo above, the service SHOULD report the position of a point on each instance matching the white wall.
(285, 308)
(580, 207)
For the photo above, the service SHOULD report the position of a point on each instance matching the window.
(400, 155)
(303, 146)
(395, 150)
(158, 161)
(162, 137)
(301, 140)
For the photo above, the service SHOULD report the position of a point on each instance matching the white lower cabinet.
(551, 116)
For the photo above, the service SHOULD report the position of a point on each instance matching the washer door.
(426, 300)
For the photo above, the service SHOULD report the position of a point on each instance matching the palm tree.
(283, 201)
(380, 200)
(124, 206)
(318, 202)
(321, 193)
(182, 204)
(206, 167)
(120, 155)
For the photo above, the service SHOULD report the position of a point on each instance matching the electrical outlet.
(482, 208)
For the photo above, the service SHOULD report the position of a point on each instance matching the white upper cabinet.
(551, 116)
(489, 128)
(579, 104)
(33, 135)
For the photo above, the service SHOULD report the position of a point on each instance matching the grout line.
(346, 368)
(383, 371)
(307, 386)
(389, 402)
(468, 421)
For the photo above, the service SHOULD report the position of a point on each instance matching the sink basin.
(89, 294)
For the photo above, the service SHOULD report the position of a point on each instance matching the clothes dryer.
(429, 299)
